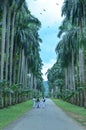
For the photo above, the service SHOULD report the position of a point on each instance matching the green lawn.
(78, 113)
(9, 114)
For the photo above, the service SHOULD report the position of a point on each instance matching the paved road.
(49, 118)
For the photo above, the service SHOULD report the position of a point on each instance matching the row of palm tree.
(20, 62)
(71, 51)
(55, 77)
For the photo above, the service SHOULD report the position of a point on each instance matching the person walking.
(38, 102)
(43, 102)
(34, 102)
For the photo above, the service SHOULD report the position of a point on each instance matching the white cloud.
(46, 67)
(48, 11)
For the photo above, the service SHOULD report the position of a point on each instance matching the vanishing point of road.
(49, 118)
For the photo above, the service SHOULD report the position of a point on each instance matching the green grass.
(78, 113)
(10, 114)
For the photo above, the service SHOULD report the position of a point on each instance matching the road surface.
(49, 118)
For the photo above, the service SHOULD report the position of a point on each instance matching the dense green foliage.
(55, 79)
(71, 53)
(20, 61)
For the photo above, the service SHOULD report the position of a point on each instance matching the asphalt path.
(49, 118)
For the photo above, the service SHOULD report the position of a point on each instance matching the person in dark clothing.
(38, 102)
(43, 102)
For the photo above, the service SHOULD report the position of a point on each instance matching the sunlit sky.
(49, 13)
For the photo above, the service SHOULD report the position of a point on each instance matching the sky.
(49, 14)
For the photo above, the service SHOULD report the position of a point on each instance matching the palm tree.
(17, 6)
(3, 38)
(4, 4)
(9, 7)
(22, 48)
(75, 12)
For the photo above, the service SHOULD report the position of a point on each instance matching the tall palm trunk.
(25, 72)
(11, 49)
(81, 73)
(76, 78)
(3, 45)
(19, 68)
(69, 76)
(8, 42)
(81, 65)
(3, 38)
(82, 70)
(35, 83)
(66, 79)
(73, 78)
(22, 64)
(14, 63)
(32, 86)
(11, 55)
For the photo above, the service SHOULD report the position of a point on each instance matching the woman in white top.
(34, 102)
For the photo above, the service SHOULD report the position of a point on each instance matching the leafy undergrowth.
(8, 115)
(76, 112)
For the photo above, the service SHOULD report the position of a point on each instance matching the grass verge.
(8, 115)
(76, 112)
